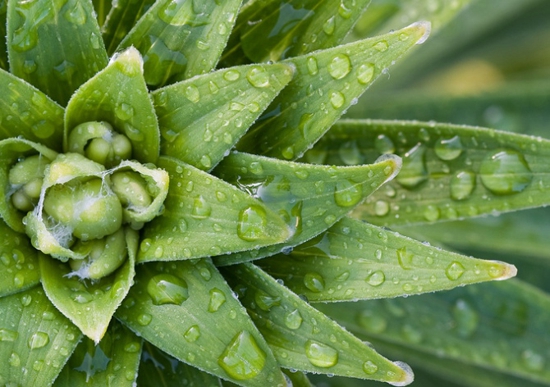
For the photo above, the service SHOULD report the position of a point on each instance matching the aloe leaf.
(3, 48)
(202, 118)
(35, 339)
(118, 95)
(26, 111)
(160, 369)
(192, 297)
(13, 150)
(327, 82)
(89, 305)
(206, 216)
(121, 18)
(499, 326)
(112, 362)
(19, 262)
(39, 31)
(301, 337)
(310, 198)
(355, 260)
(448, 172)
(181, 39)
(273, 30)
(101, 8)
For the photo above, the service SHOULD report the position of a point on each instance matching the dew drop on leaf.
(192, 93)
(242, 359)
(14, 360)
(265, 301)
(339, 66)
(462, 185)
(414, 170)
(231, 75)
(167, 289)
(321, 355)
(337, 99)
(201, 208)
(405, 258)
(314, 282)
(381, 208)
(454, 271)
(347, 193)
(252, 223)
(144, 319)
(369, 367)
(466, 318)
(293, 320)
(8, 335)
(505, 172)
(448, 149)
(381, 46)
(258, 77)
(373, 322)
(217, 299)
(377, 278)
(329, 26)
(312, 66)
(431, 213)
(365, 73)
(192, 334)
(38, 340)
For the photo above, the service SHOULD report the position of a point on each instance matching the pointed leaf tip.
(406, 377)
(131, 60)
(502, 271)
(423, 25)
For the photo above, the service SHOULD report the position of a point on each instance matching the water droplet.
(321, 355)
(167, 289)
(132, 347)
(369, 367)
(293, 320)
(231, 75)
(448, 149)
(252, 223)
(206, 161)
(144, 319)
(347, 193)
(258, 77)
(192, 93)
(205, 273)
(414, 170)
(312, 66)
(384, 144)
(242, 359)
(201, 208)
(8, 335)
(337, 99)
(372, 321)
(43, 129)
(133, 133)
(405, 258)
(76, 14)
(14, 360)
(314, 282)
(505, 172)
(38, 365)
(288, 153)
(381, 46)
(82, 297)
(266, 301)
(365, 73)
(411, 334)
(38, 340)
(19, 280)
(533, 360)
(29, 66)
(339, 66)
(377, 278)
(431, 213)
(466, 318)
(381, 208)
(462, 185)
(180, 13)
(94, 41)
(454, 271)
(217, 299)
(192, 334)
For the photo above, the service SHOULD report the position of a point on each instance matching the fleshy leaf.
(354, 260)
(326, 83)
(112, 362)
(180, 39)
(192, 297)
(310, 198)
(89, 305)
(449, 172)
(55, 47)
(121, 18)
(273, 30)
(19, 262)
(499, 326)
(26, 111)
(36, 340)
(206, 216)
(301, 337)
(162, 370)
(202, 118)
(118, 95)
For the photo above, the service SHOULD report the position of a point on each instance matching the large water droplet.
(242, 359)
(405, 258)
(192, 93)
(466, 318)
(167, 289)
(448, 149)
(381, 208)
(76, 14)
(266, 301)
(201, 208)
(314, 282)
(144, 319)
(252, 223)
(462, 185)
(414, 170)
(369, 367)
(192, 334)
(8, 335)
(312, 66)
(231, 75)
(258, 77)
(321, 355)
(454, 271)
(38, 340)
(293, 320)
(377, 278)
(217, 299)
(329, 26)
(347, 193)
(505, 172)
(14, 360)
(365, 73)
(339, 66)
(337, 99)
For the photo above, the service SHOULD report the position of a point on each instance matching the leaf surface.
(3, 48)
(202, 118)
(39, 31)
(326, 83)
(310, 198)
(301, 337)
(218, 336)
(35, 339)
(354, 260)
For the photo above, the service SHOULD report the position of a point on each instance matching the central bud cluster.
(76, 206)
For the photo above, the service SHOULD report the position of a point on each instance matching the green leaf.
(162, 370)
(298, 379)
(112, 362)
(449, 171)
(26, 111)
(19, 262)
(206, 216)
(3, 47)
(501, 327)
(326, 83)
(273, 30)
(192, 297)
(35, 339)
(202, 118)
(101, 8)
(310, 198)
(118, 95)
(181, 39)
(301, 337)
(354, 260)
(55, 47)
(89, 305)
(120, 20)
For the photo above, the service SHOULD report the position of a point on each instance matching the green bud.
(131, 189)
(27, 176)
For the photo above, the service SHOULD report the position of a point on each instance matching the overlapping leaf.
(354, 260)
(310, 198)
(202, 118)
(301, 337)
(66, 27)
(192, 298)
(326, 83)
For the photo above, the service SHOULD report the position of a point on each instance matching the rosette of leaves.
(173, 199)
